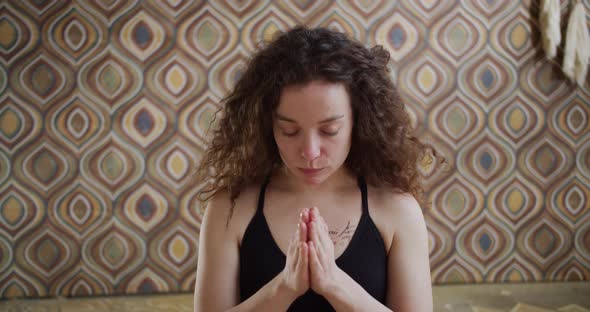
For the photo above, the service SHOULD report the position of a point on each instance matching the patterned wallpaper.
(104, 107)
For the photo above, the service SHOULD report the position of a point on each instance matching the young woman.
(312, 204)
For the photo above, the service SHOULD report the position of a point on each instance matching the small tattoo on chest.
(343, 236)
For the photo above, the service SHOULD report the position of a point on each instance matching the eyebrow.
(327, 120)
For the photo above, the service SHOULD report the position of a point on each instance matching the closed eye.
(295, 133)
(290, 134)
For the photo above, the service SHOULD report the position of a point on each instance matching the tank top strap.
(363, 187)
(261, 195)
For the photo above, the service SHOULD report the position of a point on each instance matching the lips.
(310, 172)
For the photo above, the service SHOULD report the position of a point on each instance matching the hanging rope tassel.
(549, 19)
(577, 46)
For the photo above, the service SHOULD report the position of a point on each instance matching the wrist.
(284, 289)
(335, 288)
(338, 292)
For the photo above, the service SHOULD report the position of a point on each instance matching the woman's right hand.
(295, 275)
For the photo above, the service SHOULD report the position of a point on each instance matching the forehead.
(314, 97)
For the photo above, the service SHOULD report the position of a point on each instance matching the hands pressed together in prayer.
(310, 256)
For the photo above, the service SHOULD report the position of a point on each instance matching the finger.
(303, 232)
(314, 213)
(300, 233)
(320, 241)
(305, 215)
(317, 232)
(305, 256)
(322, 254)
(291, 251)
(303, 259)
(314, 262)
(293, 240)
(313, 232)
(324, 223)
(295, 256)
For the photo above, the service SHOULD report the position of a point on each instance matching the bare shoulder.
(216, 284)
(220, 208)
(393, 211)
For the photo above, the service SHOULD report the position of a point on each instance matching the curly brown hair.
(383, 149)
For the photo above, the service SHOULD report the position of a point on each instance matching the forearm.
(348, 296)
(274, 296)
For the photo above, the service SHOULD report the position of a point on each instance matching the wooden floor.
(564, 297)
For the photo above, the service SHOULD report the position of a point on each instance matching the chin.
(315, 179)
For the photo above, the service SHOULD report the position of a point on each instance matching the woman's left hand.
(322, 264)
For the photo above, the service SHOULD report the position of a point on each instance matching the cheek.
(285, 147)
(342, 145)
(337, 146)
(334, 147)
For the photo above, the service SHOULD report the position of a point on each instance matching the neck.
(340, 180)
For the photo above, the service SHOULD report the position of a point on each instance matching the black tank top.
(364, 259)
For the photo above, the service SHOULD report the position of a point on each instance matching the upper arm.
(409, 282)
(216, 285)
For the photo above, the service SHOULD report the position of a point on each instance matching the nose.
(311, 148)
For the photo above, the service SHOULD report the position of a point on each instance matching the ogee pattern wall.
(104, 107)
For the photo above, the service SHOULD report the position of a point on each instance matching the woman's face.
(312, 128)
